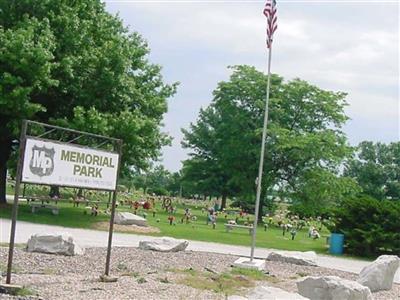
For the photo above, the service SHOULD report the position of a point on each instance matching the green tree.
(200, 176)
(371, 227)
(71, 63)
(304, 132)
(157, 180)
(319, 189)
(174, 185)
(204, 174)
(376, 167)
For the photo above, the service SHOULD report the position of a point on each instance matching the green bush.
(159, 191)
(371, 227)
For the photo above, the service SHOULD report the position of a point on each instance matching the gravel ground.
(288, 274)
(141, 274)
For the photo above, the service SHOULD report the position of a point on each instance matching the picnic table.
(86, 201)
(36, 206)
(230, 227)
(76, 202)
(231, 211)
(42, 199)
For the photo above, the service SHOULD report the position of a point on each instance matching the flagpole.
(261, 165)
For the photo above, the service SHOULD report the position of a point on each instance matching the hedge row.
(371, 227)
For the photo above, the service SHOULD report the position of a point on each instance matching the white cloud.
(335, 46)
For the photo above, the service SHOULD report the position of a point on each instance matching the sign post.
(67, 164)
(110, 232)
(15, 204)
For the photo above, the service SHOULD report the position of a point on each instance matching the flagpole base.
(245, 262)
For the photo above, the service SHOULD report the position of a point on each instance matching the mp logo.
(42, 161)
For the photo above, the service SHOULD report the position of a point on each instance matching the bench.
(231, 211)
(42, 199)
(36, 206)
(229, 227)
(76, 202)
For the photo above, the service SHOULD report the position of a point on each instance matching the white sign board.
(54, 163)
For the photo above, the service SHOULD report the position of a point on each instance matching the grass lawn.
(198, 230)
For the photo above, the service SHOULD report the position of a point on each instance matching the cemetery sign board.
(55, 163)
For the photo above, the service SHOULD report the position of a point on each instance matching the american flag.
(270, 13)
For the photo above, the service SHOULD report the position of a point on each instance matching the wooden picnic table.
(86, 202)
(43, 199)
(230, 227)
(231, 211)
(35, 206)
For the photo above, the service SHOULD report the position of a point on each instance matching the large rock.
(54, 243)
(308, 258)
(164, 244)
(268, 293)
(332, 288)
(126, 218)
(380, 273)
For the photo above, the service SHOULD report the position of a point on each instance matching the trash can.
(336, 243)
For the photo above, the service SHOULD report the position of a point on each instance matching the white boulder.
(127, 218)
(164, 244)
(268, 293)
(54, 243)
(379, 274)
(308, 258)
(332, 288)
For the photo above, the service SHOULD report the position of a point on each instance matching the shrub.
(371, 227)
(159, 191)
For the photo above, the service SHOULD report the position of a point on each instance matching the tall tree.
(204, 173)
(320, 189)
(202, 176)
(376, 167)
(304, 132)
(157, 180)
(72, 63)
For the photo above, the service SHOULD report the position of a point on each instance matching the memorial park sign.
(54, 163)
(65, 163)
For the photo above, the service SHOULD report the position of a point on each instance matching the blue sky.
(350, 46)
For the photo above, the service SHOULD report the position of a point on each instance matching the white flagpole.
(261, 165)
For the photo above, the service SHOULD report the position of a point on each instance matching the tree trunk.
(223, 201)
(54, 191)
(3, 182)
(260, 211)
(5, 151)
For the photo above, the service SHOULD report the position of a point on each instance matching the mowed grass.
(226, 283)
(70, 216)
(199, 230)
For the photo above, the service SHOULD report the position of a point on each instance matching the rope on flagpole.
(261, 165)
